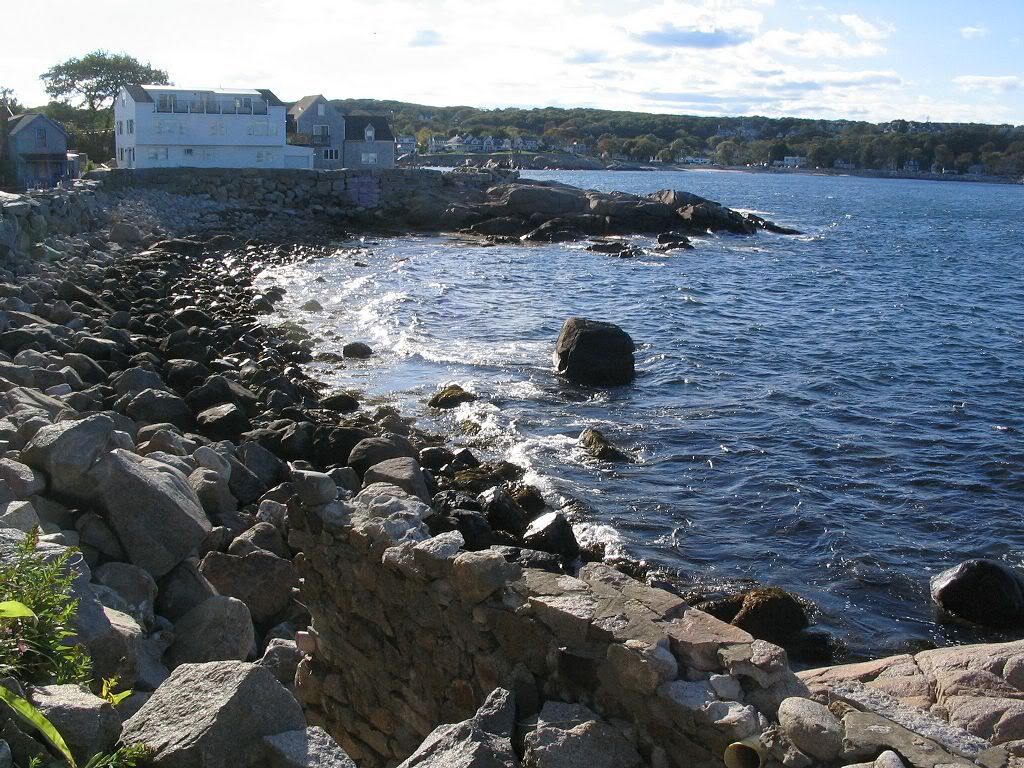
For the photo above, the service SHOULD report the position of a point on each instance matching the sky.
(873, 60)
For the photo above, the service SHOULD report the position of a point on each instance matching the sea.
(839, 413)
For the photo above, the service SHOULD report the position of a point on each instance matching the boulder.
(501, 511)
(22, 480)
(342, 402)
(402, 472)
(213, 714)
(450, 396)
(88, 723)
(356, 349)
(482, 741)
(373, 450)
(552, 201)
(262, 536)
(572, 736)
(600, 447)
(157, 406)
(308, 748)
(133, 585)
(151, 508)
(282, 657)
(66, 452)
(182, 589)
(218, 629)
(592, 352)
(314, 488)
(551, 532)
(261, 580)
(985, 592)
(811, 728)
(223, 422)
(124, 233)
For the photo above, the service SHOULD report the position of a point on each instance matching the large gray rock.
(67, 451)
(213, 716)
(572, 736)
(373, 450)
(483, 741)
(157, 406)
(314, 488)
(261, 580)
(21, 479)
(811, 727)
(402, 472)
(282, 657)
(182, 590)
(985, 592)
(307, 748)
(593, 352)
(88, 723)
(529, 199)
(133, 585)
(218, 629)
(152, 509)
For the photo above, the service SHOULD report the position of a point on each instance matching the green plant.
(123, 757)
(108, 691)
(34, 648)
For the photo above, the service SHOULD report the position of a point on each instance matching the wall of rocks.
(26, 220)
(327, 191)
(412, 631)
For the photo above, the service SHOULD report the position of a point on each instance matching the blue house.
(313, 122)
(37, 148)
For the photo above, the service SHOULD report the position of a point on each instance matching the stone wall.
(320, 190)
(26, 220)
(411, 632)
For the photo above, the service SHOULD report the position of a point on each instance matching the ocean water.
(839, 413)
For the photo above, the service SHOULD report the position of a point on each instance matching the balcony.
(309, 140)
(242, 106)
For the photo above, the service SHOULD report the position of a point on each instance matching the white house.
(164, 126)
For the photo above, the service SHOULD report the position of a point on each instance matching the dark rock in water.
(593, 352)
(342, 402)
(552, 201)
(180, 246)
(194, 316)
(671, 241)
(599, 446)
(767, 613)
(609, 246)
(502, 512)
(555, 231)
(531, 558)
(435, 457)
(450, 397)
(476, 531)
(528, 497)
(357, 349)
(505, 226)
(552, 533)
(487, 475)
(464, 459)
(985, 592)
(312, 306)
(447, 501)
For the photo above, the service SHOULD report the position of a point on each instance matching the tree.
(95, 79)
(9, 106)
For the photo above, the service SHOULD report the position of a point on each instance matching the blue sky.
(867, 60)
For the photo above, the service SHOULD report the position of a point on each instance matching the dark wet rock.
(450, 396)
(435, 457)
(194, 316)
(555, 231)
(600, 447)
(155, 406)
(476, 532)
(446, 501)
(532, 558)
(356, 349)
(217, 390)
(530, 199)
(342, 402)
(593, 352)
(223, 422)
(374, 450)
(487, 475)
(204, 715)
(312, 306)
(985, 592)
(464, 459)
(551, 532)
(671, 241)
(502, 512)
(528, 497)
(502, 226)
(767, 613)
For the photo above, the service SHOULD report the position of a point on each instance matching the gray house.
(313, 122)
(37, 149)
(369, 142)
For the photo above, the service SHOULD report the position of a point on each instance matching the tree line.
(998, 149)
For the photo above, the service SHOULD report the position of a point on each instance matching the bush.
(36, 650)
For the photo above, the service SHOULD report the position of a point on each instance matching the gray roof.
(272, 100)
(138, 93)
(303, 104)
(355, 127)
(22, 121)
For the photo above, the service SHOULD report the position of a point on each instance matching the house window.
(216, 128)
(264, 156)
(131, 155)
(40, 137)
(158, 153)
(370, 134)
(120, 127)
(166, 102)
(321, 109)
(259, 128)
(332, 154)
(131, 127)
(120, 154)
(369, 158)
(189, 151)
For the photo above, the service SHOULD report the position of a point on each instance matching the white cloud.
(975, 32)
(994, 83)
(864, 29)
(818, 44)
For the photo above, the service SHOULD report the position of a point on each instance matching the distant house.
(844, 165)
(694, 160)
(437, 144)
(163, 126)
(313, 122)
(37, 148)
(911, 166)
(405, 145)
(576, 148)
(369, 142)
(794, 161)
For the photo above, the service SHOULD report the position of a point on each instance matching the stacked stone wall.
(411, 634)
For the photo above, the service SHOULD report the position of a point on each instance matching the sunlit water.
(838, 413)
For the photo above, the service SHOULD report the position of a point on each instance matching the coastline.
(203, 309)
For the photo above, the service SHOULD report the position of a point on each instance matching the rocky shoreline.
(247, 536)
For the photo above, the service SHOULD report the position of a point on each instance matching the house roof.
(304, 103)
(355, 127)
(144, 93)
(22, 121)
(138, 94)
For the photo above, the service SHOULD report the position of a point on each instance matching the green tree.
(727, 152)
(94, 79)
(9, 107)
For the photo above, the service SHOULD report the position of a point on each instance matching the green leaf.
(31, 716)
(12, 609)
